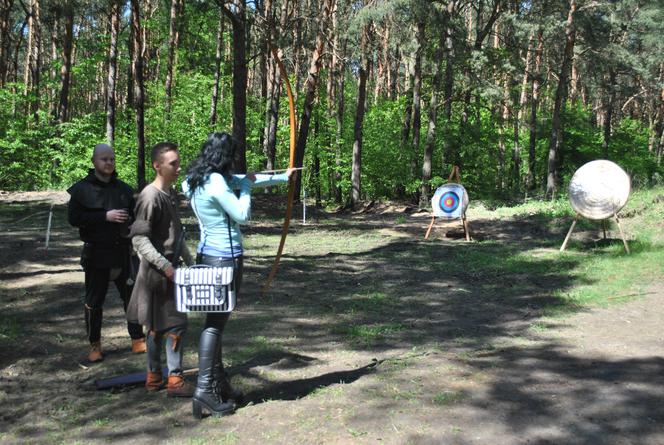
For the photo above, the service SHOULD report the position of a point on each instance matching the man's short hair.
(161, 148)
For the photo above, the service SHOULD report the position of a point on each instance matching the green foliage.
(385, 163)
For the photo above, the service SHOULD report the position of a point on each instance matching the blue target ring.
(449, 202)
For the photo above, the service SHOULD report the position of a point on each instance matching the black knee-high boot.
(205, 395)
(221, 383)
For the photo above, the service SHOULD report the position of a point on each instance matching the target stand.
(450, 202)
(597, 191)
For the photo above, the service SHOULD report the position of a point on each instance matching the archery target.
(450, 201)
(599, 189)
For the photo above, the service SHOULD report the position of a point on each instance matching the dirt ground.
(437, 353)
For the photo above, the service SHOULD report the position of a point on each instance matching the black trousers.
(96, 288)
(218, 319)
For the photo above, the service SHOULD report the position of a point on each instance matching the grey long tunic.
(152, 302)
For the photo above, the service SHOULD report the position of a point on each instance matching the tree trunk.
(263, 58)
(32, 73)
(65, 70)
(311, 86)
(139, 91)
(502, 123)
(5, 39)
(570, 37)
(172, 45)
(340, 99)
(482, 30)
(417, 98)
(53, 92)
(217, 70)
(574, 80)
(408, 112)
(356, 169)
(238, 21)
(130, 76)
(608, 114)
(523, 100)
(425, 191)
(449, 154)
(269, 139)
(530, 176)
(112, 72)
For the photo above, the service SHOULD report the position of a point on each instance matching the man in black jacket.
(101, 206)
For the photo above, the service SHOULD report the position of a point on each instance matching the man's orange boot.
(179, 387)
(95, 354)
(154, 381)
(138, 346)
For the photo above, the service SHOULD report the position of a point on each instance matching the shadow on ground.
(460, 298)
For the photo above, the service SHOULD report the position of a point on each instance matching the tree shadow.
(451, 295)
(296, 389)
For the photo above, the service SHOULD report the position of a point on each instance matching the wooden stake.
(466, 227)
(433, 219)
(455, 173)
(622, 234)
(604, 227)
(48, 229)
(569, 233)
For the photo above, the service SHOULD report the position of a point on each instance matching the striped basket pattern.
(204, 288)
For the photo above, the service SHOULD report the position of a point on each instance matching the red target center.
(449, 202)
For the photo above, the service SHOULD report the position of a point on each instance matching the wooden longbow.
(291, 164)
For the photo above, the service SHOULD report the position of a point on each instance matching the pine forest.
(389, 94)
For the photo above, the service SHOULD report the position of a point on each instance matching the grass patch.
(445, 398)
(370, 302)
(10, 329)
(370, 334)
(259, 346)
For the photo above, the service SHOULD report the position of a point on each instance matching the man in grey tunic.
(155, 234)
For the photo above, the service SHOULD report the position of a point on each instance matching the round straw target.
(450, 201)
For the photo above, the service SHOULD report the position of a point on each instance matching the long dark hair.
(216, 156)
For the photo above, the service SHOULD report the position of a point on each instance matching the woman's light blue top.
(216, 200)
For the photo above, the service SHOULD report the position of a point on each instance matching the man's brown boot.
(154, 381)
(95, 354)
(179, 387)
(138, 346)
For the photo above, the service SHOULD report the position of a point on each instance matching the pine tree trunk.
(570, 37)
(32, 73)
(408, 112)
(5, 39)
(608, 113)
(356, 169)
(523, 100)
(53, 92)
(112, 72)
(537, 72)
(28, 50)
(311, 86)
(172, 44)
(139, 91)
(238, 21)
(130, 76)
(450, 156)
(502, 123)
(217, 70)
(340, 99)
(417, 98)
(425, 191)
(65, 70)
